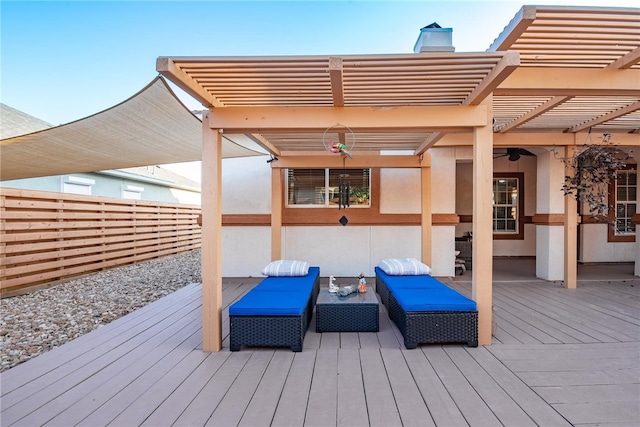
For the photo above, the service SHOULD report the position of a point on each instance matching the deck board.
(322, 406)
(559, 357)
(294, 398)
(381, 404)
(261, 408)
(351, 399)
(410, 403)
(471, 405)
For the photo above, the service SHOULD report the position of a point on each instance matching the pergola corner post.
(570, 232)
(211, 240)
(482, 253)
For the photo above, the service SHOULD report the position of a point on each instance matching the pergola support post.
(482, 252)
(211, 240)
(570, 232)
(276, 213)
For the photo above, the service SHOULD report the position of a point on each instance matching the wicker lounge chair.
(428, 311)
(275, 313)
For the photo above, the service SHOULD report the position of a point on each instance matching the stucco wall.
(246, 185)
(595, 247)
(351, 250)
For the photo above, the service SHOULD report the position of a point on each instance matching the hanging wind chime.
(344, 187)
(343, 147)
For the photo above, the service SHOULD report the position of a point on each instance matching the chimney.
(434, 38)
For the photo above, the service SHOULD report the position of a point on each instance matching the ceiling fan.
(514, 154)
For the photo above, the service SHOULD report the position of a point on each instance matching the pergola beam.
(359, 119)
(627, 61)
(507, 65)
(168, 68)
(539, 81)
(605, 118)
(264, 143)
(335, 77)
(429, 142)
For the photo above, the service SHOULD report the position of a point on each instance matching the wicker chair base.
(421, 327)
(268, 331)
(272, 331)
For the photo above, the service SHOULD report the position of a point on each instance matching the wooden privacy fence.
(46, 237)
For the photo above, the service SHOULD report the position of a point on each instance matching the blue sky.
(62, 61)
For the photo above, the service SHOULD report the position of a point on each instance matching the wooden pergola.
(553, 74)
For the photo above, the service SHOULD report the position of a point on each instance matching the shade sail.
(150, 128)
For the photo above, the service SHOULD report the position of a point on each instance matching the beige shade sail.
(150, 128)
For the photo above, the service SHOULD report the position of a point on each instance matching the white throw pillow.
(404, 267)
(286, 268)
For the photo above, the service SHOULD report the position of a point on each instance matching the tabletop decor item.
(362, 283)
(347, 290)
(333, 288)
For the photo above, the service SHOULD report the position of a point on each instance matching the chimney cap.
(432, 25)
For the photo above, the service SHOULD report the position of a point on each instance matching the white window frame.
(77, 185)
(513, 205)
(132, 192)
(627, 220)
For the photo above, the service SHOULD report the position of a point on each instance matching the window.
(320, 187)
(508, 205)
(625, 201)
(132, 192)
(77, 185)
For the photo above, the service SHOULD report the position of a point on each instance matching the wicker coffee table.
(357, 312)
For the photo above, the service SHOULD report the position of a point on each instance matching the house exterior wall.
(355, 249)
(596, 248)
(246, 186)
(109, 186)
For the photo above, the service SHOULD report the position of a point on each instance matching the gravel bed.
(34, 323)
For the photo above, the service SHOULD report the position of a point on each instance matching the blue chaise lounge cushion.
(270, 304)
(277, 296)
(436, 299)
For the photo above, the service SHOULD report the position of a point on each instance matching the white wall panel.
(246, 186)
(245, 251)
(444, 251)
(550, 253)
(595, 247)
(338, 251)
(395, 242)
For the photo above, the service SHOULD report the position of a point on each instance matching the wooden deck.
(560, 357)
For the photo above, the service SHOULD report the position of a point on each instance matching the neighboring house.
(153, 183)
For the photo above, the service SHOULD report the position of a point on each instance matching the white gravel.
(34, 323)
